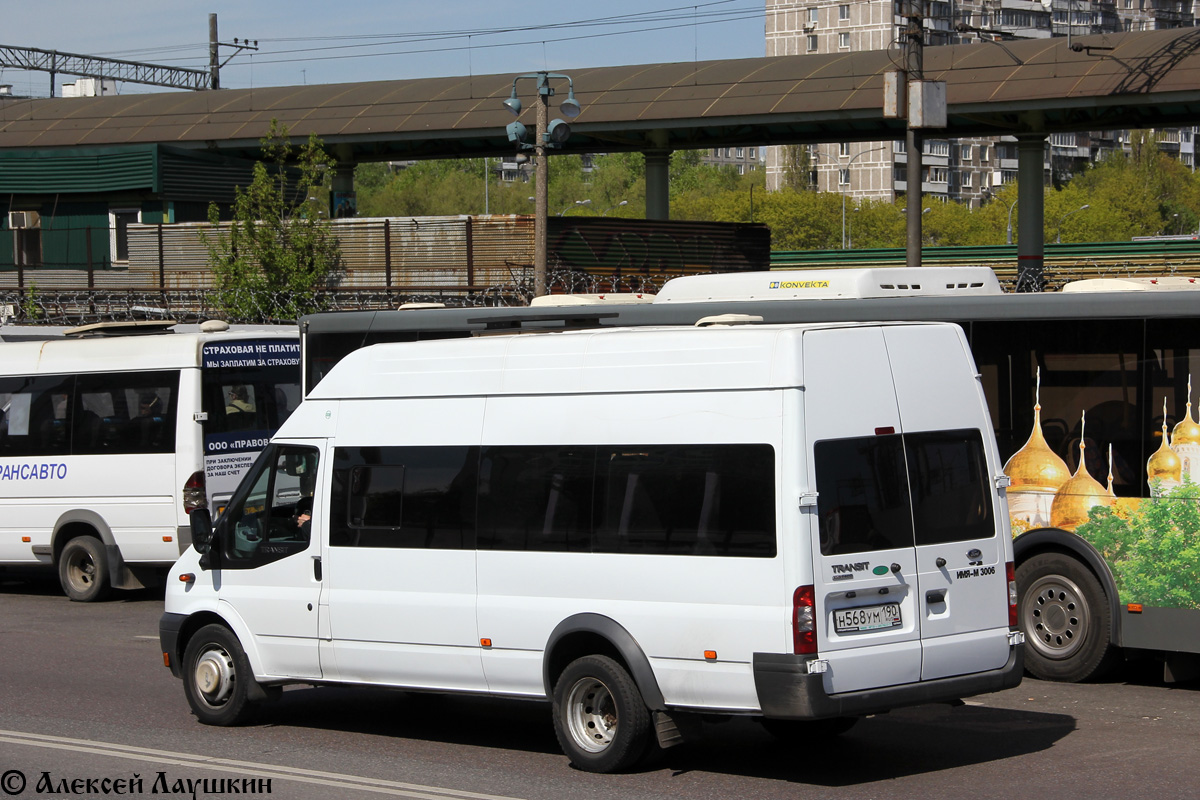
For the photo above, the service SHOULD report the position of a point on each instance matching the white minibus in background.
(800, 523)
(111, 433)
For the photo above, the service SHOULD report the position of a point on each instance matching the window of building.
(968, 178)
(844, 41)
(964, 152)
(984, 155)
(843, 149)
(844, 12)
(119, 220)
(938, 174)
(844, 177)
(813, 12)
(812, 43)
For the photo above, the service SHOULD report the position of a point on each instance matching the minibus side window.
(536, 498)
(697, 500)
(862, 495)
(35, 418)
(125, 412)
(951, 491)
(270, 517)
(418, 497)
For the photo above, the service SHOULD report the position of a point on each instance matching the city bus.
(111, 433)
(1098, 374)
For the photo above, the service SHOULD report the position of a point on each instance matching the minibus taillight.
(1010, 571)
(194, 493)
(804, 627)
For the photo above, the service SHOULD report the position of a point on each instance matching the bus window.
(125, 412)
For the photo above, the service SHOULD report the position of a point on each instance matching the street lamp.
(849, 164)
(618, 205)
(1058, 233)
(548, 133)
(576, 204)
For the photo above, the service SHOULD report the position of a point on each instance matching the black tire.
(83, 570)
(601, 721)
(216, 677)
(1066, 617)
(808, 730)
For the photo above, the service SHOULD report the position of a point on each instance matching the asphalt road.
(84, 697)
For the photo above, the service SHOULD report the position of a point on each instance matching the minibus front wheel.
(217, 677)
(601, 721)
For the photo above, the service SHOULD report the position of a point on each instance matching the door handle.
(316, 567)
(941, 562)
(935, 596)
(895, 567)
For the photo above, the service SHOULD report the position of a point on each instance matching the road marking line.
(296, 774)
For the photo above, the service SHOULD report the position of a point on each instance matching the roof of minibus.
(24, 354)
(653, 358)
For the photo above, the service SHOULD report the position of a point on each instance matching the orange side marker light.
(710, 655)
(1135, 608)
(485, 642)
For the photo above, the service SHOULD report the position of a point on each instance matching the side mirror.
(206, 541)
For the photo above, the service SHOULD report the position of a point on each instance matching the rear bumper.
(787, 691)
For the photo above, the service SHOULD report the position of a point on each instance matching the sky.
(306, 42)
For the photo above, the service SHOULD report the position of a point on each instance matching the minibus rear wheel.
(601, 721)
(216, 676)
(83, 570)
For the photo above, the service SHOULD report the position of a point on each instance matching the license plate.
(870, 618)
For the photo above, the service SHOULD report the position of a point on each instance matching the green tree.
(280, 248)
(1154, 550)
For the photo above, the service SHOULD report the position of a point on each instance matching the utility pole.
(911, 43)
(214, 56)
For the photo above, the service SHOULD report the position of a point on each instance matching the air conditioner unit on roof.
(24, 219)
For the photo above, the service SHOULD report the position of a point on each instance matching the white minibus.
(111, 433)
(801, 523)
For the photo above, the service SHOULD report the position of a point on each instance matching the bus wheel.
(1065, 615)
(600, 719)
(83, 570)
(216, 673)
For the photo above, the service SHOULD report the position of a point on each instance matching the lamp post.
(576, 204)
(849, 164)
(1008, 233)
(610, 208)
(1058, 233)
(548, 133)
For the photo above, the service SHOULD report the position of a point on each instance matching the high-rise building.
(965, 170)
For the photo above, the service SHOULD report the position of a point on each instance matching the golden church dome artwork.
(1187, 431)
(1035, 472)
(1079, 495)
(1035, 465)
(1164, 468)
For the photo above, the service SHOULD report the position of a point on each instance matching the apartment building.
(965, 170)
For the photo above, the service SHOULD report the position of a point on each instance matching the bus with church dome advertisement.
(1091, 395)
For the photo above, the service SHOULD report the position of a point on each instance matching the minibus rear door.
(864, 559)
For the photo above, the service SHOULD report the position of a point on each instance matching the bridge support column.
(658, 198)
(1030, 213)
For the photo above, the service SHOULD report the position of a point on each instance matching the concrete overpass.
(1028, 89)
